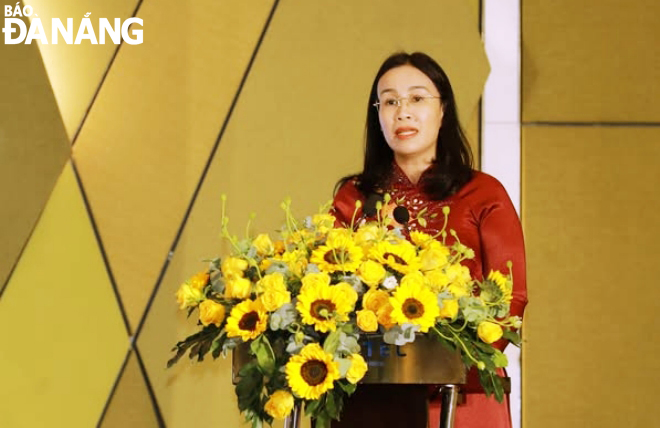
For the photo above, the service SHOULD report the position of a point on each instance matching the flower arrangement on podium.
(302, 301)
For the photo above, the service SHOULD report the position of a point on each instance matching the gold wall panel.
(590, 208)
(296, 129)
(33, 147)
(150, 132)
(585, 61)
(75, 71)
(130, 405)
(63, 337)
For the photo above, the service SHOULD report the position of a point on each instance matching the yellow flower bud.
(371, 273)
(489, 332)
(211, 312)
(358, 368)
(374, 299)
(263, 245)
(188, 296)
(449, 308)
(280, 404)
(367, 320)
(238, 288)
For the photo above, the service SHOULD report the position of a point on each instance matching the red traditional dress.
(485, 220)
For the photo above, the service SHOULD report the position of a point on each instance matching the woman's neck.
(413, 168)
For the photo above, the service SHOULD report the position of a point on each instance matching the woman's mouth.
(405, 132)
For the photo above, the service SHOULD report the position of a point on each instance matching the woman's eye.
(389, 102)
(416, 99)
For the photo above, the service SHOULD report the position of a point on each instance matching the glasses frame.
(399, 100)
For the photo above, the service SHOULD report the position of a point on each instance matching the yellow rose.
(434, 257)
(367, 320)
(199, 281)
(458, 273)
(188, 296)
(314, 280)
(274, 290)
(295, 261)
(265, 264)
(348, 293)
(449, 308)
(211, 312)
(233, 267)
(279, 247)
(366, 236)
(489, 332)
(279, 404)
(437, 280)
(238, 288)
(413, 279)
(358, 368)
(371, 273)
(263, 244)
(374, 299)
(385, 315)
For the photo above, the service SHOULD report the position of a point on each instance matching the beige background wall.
(591, 146)
(113, 160)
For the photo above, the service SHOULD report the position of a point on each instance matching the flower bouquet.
(302, 302)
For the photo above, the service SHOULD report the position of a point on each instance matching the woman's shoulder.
(483, 182)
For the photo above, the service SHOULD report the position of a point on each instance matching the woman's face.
(410, 113)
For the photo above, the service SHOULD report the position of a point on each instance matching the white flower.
(390, 283)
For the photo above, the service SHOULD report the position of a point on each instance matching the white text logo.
(17, 32)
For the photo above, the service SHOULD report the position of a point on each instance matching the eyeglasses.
(391, 104)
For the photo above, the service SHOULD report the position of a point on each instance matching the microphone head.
(401, 215)
(370, 204)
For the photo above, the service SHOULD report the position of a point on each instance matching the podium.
(425, 361)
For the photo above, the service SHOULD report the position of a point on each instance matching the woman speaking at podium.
(417, 152)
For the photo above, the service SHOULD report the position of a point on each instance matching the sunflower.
(247, 320)
(322, 305)
(502, 283)
(398, 255)
(312, 372)
(340, 253)
(415, 303)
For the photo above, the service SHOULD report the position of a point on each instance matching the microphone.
(402, 216)
(370, 203)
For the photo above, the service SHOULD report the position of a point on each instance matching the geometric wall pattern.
(114, 159)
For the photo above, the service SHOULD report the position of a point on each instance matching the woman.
(417, 152)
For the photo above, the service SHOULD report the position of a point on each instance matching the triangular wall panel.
(62, 334)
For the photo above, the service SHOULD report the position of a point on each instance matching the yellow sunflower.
(399, 255)
(323, 305)
(338, 254)
(502, 283)
(247, 320)
(312, 372)
(414, 303)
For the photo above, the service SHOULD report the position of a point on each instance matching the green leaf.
(500, 359)
(347, 387)
(332, 342)
(512, 336)
(311, 407)
(322, 421)
(264, 353)
(331, 405)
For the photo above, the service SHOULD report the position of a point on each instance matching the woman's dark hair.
(452, 167)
